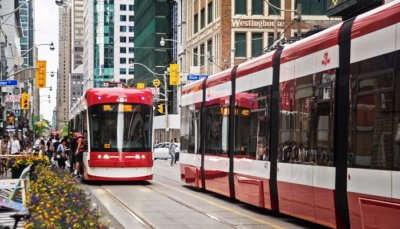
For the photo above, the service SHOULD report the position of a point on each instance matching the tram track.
(149, 225)
(131, 212)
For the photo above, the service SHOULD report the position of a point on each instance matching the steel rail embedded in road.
(191, 207)
(144, 222)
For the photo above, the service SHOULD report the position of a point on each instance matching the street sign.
(196, 76)
(12, 98)
(5, 83)
(156, 82)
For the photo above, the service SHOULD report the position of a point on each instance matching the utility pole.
(166, 105)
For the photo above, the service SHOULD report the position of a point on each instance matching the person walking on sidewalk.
(15, 147)
(172, 149)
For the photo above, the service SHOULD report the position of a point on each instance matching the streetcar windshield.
(120, 127)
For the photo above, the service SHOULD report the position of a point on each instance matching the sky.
(46, 31)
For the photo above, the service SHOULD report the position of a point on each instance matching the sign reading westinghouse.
(256, 23)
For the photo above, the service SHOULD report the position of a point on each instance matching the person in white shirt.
(15, 147)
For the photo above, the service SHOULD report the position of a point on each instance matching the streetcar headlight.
(143, 156)
(106, 156)
(137, 156)
(99, 156)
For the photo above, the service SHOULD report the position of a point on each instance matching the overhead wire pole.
(165, 95)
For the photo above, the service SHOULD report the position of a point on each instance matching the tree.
(40, 126)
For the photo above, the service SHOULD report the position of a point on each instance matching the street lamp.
(162, 41)
(29, 50)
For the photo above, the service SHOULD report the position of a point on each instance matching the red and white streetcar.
(311, 129)
(119, 126)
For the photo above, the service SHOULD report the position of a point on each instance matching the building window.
(131, 71)
(312, 7)
(240, 44)
(122, 18)
(122, 71)
(240, 7)
(131, 60)
(209, 50)
(257, 7)
(131, 50)
(122, 28)
(270, 39)
(131, 7)
(122, 50)
(122, 39)
(273, 11)
(202, 18)
(195, 57)
(131, 39)
(131, 18)
(210, 12)
(122, 60)
(202, 54)
(131, 29)
(256, 44)
(196, 23)
(122, 7)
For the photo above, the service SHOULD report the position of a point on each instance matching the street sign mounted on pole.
(196, 76)
(156, 82)
(5, 83)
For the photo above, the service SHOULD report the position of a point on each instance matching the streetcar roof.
(95, 96)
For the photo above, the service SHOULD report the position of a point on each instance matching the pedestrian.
(61, 157)
(4, 146)
(15, 147)
(172, 149)
(176, 150)
(80, 148)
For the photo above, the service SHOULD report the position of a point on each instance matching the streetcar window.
(216, 130)
(120, 128)
(306, 119)
(252, 124)
(374, 114)
(190, 129)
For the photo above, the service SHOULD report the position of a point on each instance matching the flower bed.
(55, 201)
(18, 164)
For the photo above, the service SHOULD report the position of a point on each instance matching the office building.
(109, 30)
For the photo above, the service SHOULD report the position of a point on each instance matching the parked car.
(161, 150)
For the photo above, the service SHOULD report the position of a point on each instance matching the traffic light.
(24, 101)
(160, 108)
(174, 74)
(40, 73)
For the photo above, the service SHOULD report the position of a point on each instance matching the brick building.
(221, 33)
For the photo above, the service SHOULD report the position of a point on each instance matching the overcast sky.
(46, 31)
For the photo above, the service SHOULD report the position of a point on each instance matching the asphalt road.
(166, 203)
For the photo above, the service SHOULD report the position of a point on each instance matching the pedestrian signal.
(160, 108)
(24, 101)
(40, 73)
(174, 74)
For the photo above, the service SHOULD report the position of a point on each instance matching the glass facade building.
(26, 41)
(112, 31)
(153, 21)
